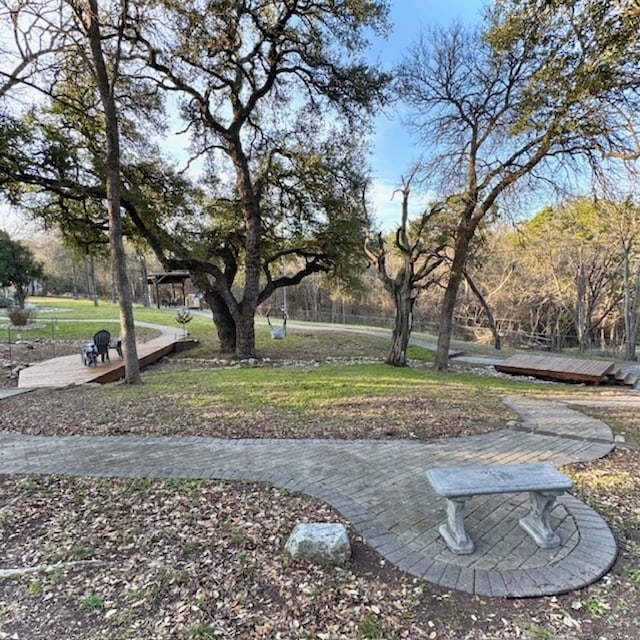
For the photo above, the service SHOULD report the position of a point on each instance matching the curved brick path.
(381, 488)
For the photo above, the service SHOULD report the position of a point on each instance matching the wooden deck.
(67, 370)
(559, 368)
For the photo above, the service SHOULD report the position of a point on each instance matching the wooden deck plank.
(67, 370)
(558, 368)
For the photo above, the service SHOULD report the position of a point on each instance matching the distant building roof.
(168, 277)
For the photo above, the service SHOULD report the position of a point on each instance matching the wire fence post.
(53, 323)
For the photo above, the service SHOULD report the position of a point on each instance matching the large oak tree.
(278, 98)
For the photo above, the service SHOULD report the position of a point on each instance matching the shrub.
(6, 301)
(20, 317)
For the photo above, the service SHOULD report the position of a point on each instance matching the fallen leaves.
(173, 555)
(194, 559)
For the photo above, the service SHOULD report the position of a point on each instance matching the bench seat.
(458, 484)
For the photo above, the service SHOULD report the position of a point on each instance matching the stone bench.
(457, 484)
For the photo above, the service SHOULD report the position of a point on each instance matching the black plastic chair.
(102, 340)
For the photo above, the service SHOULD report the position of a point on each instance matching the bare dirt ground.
(149, 559)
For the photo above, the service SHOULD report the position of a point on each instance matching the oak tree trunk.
(224, 322)
(244, 314)
(246, 337)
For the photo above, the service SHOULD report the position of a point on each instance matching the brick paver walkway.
(381, 488)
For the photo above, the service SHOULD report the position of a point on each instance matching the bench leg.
(453, 529)
(536, 523)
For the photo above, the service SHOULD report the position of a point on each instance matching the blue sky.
(393, 152)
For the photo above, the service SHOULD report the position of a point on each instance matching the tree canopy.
(18, 267)
(278, 101)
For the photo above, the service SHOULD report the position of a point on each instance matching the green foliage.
(574, 223)
(139, 485)
(15, 138)
(593, 605)
(634, 576)
(537, 632)
(18, 267)
(370, 628)
(596, 606)
(184, 317)
(578, 56)
(93, 602)
(34, 588)
(202, 631)
(6, 301)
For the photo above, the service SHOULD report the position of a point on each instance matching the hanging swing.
(279, 333)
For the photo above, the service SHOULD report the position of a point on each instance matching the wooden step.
(619, 376)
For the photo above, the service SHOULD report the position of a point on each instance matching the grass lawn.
(186, 560)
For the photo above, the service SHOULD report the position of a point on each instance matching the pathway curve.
(381, 488)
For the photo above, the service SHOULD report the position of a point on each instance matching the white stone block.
(319, 541)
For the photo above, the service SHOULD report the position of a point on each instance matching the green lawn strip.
(68, 319)
(313, 387)
(420, 354)
(67, 330)
(71, 309)
(202, 328)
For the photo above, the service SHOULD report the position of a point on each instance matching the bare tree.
(545, 89)
(29, 39)
(573, 246)
(484, 303)
(625, 223)
(419, 252)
